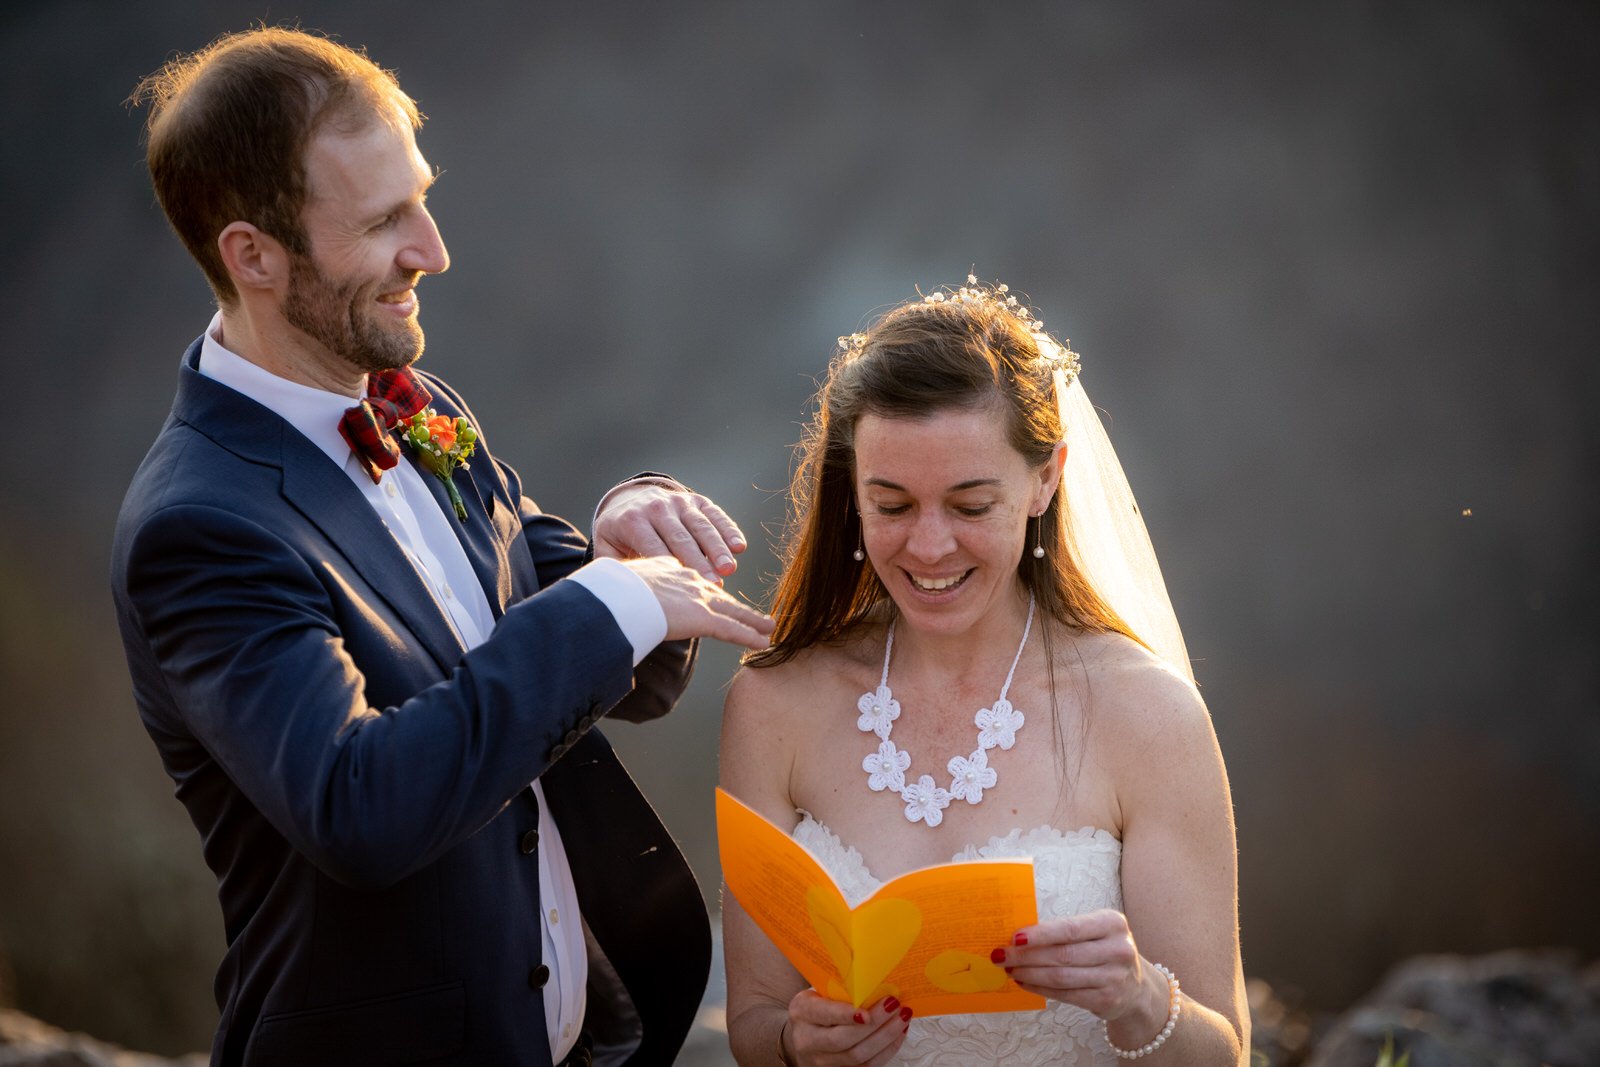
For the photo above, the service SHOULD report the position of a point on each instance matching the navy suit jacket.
(360, 781)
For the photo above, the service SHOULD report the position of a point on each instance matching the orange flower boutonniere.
(442, 444)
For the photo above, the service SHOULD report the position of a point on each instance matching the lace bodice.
(1074, 872)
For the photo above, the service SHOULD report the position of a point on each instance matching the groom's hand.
(642, 519)
(697, 607)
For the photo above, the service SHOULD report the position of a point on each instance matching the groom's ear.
(254, 259)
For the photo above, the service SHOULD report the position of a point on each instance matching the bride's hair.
(920, 358)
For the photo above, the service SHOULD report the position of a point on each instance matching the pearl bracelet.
(1174, 1008)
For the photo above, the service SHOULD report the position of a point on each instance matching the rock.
(1359, 1037)
(1506, 1009)
(27, 1042)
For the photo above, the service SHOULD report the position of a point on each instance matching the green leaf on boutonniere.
(442, 444)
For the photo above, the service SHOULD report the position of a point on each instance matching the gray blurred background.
(1332, 270)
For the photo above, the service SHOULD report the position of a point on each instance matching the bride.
(961, 538)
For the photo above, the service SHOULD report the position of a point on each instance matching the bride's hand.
(1089, 960)
(826, 1033)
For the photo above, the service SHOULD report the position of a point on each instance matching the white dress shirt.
(422, 529)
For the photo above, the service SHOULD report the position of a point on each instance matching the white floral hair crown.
(1056, 355)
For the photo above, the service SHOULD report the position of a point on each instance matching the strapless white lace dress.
(1074, 872)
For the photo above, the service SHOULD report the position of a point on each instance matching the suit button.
(557, 752)
(571, 738)
(530, 841)
(538, 977)
(587, 721)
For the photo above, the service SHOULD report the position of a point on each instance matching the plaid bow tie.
(392, 397)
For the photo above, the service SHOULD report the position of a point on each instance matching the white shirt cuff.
(629, 600)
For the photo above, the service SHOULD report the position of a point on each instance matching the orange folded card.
(924, 937)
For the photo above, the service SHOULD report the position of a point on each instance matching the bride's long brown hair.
(920, 358)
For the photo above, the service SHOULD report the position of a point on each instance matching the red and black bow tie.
(392, 397)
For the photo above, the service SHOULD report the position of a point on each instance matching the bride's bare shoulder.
(1152, 733)
(810, 674)
(774, 714)
(1131, 690)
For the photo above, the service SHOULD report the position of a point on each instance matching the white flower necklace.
(969, 775)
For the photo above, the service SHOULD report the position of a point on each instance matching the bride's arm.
(757, 763)
(1179, 884)
(754, 763)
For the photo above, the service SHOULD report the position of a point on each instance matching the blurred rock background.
(1332, 270)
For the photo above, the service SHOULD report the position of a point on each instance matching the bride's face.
(945, 502)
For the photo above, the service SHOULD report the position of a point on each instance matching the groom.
(374, 683)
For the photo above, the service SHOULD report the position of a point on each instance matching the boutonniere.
(442, 444)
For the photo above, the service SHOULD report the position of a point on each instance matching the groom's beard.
(344, 319)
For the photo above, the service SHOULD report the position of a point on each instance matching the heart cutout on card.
(888, 929)
(955, 971)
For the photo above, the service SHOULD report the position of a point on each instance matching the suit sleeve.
(371, 778)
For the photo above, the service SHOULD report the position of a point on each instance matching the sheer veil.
(1105, 532)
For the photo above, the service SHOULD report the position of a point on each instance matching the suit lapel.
(325, 496)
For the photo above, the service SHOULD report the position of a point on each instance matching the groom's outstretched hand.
(696, 607)
(641, 518)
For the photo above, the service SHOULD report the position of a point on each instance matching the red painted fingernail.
(858, 1018)
(905, 1013)
(1020, 939)
(890, 1004)
(997, 956)
(1008, 970)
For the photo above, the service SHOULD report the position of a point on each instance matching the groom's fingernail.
(997, 956)
(890, 1004)
(724, 561)
(858, 1018)
(1020, 939)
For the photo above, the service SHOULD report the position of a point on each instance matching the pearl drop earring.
(1038, 549)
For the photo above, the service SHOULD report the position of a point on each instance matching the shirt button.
(538, 976)
(448, 594)
(388, 487)
(555, 917)
(530, 841)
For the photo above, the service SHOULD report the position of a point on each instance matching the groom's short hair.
(229, 126)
